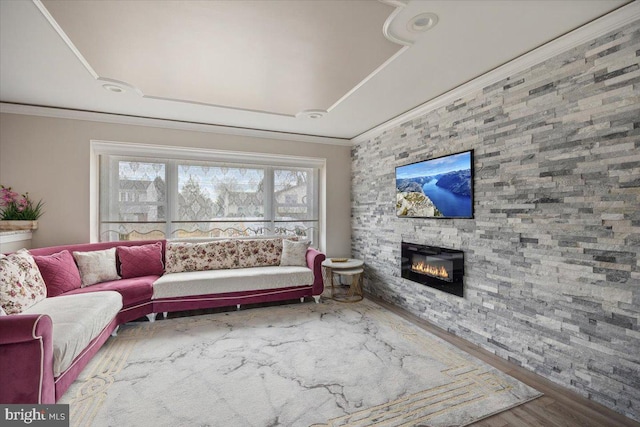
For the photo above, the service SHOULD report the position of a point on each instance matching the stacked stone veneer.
(552, 266)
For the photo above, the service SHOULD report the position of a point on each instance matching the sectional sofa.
(47, 344)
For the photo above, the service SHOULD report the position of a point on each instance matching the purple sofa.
(26, 339)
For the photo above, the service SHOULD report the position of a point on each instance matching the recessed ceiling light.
(113, 88)
(422, 22)
(311, 114)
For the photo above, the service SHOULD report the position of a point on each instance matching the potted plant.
(18, 212)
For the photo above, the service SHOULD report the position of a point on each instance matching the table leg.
(356, 287)
(327, 278)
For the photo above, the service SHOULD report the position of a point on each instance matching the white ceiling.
(263, 64)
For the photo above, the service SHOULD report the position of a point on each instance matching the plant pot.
(18, 225)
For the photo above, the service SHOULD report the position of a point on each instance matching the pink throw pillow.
(138, 261)
(59, 272)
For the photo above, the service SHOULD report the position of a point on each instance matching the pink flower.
(16, 207)
(8, 196)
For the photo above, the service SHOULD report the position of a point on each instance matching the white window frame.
(175, 153)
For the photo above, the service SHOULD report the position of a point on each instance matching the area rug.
(327, 364)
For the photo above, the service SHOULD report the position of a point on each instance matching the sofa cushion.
(21, 284)
(97, 266)
(185, 256)
(134, 291)
(294, 253)
(59, 272)
(86, 247)
(259, 252)
(221, 281)
(137, 261)
(77, 319)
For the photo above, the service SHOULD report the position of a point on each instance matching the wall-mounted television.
(436, 188)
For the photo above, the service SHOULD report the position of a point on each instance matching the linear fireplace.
(439, 268)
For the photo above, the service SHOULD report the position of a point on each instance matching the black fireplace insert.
(439, 268)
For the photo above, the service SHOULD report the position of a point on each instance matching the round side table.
(352, 268)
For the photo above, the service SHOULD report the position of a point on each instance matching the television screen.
(436, 188)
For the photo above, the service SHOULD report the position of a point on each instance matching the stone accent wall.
(552, 265)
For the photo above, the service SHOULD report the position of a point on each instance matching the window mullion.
(113, 210)
(171, 196)
(313, 189)
(269, 202)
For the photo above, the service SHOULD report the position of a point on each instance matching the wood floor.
(558, 407)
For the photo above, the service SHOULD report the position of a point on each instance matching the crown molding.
(386, 28)
(609, 22)
(61, 113)
(203, 154)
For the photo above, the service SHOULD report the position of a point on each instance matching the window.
(150, 198)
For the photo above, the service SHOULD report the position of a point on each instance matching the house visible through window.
(151, 198)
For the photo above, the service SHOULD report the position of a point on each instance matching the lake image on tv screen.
(435, 188)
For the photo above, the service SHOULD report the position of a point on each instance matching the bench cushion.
(259, 252)
(201, 256)
(77, 319)
(174, 285)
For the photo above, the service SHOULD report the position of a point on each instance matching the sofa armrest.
(314, 262)
(26, 350)
(23, 328)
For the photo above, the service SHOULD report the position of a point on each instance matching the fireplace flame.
(431, 270)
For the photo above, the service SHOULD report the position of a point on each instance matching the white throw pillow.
(97, 266)
(294, 253)
(21, 284)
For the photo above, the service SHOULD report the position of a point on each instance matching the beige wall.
(49, 158)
